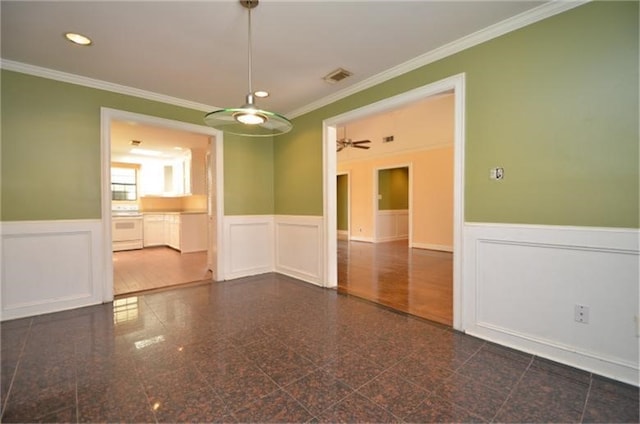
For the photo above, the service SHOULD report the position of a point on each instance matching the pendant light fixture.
(248, 120)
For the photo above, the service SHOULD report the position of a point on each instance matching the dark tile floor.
(273, 349)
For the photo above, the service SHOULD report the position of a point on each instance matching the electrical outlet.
(581, 313)
(496, 173)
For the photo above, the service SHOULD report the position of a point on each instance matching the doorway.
(343, 207)
(213, 207)
(392, 210)
(454, 85)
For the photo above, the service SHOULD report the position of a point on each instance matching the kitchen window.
(123, 184)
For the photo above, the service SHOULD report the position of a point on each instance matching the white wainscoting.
(392, 225)
(521, 284)
(299, 247)
(248, 244)
(49, 266)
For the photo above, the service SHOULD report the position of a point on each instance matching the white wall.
(290, 245)
(49, 266)
(521, 284)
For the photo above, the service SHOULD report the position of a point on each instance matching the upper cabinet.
(198, 171)
(180, 176)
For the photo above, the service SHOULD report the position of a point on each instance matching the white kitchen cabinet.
(172, 222)
(198, 172)
(193, 232)
(154, 230)
(186, 232)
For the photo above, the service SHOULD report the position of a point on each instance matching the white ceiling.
(197, 50)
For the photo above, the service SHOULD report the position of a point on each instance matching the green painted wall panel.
(248, 175)
(51, 151)
(555, 104)
(342, 202)
(393, 187)
(298, 169)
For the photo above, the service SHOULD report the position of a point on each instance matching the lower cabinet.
(172, 223)
(154, 230)
(193, 232)
(185, 232)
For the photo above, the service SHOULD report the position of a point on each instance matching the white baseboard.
(343, 235)
(522, 282)
(50, 266)
(427, 246)
(362, 239)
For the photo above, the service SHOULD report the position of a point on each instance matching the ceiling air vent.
(337, 75)
(135, 142)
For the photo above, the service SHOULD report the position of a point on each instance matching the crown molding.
(38, 71)
(529, 17)
(539, 13)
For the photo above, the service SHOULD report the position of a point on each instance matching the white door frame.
(108, 115)
(376, 192)
(455, 83)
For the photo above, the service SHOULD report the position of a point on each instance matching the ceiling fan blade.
(339, 148)
(361, 147)
(361, 142)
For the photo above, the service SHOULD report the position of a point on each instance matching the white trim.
(362, 239)
(455, 83)
(343, 235)
(106, 116)
(508, 25)
(514, 272)
(50, 266)
(11, 65)
(429, 246)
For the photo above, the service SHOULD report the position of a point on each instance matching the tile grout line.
(15, 372)
(513, 389)
(586, 398)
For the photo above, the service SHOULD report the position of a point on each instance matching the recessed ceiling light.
(261, 93)
(78, 39)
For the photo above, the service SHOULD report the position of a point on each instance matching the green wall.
(555, 104)
(51, 151)
(393, 187)
(342, 202)
(248, 175)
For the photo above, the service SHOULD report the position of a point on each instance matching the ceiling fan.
(341, 143)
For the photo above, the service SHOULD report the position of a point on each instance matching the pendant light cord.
(249, 42)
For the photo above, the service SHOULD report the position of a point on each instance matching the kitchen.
(159, 197)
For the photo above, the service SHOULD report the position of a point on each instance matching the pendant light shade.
(248, 120)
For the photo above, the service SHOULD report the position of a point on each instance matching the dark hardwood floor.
(416, 281)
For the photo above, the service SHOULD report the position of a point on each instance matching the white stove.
(126, 227)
